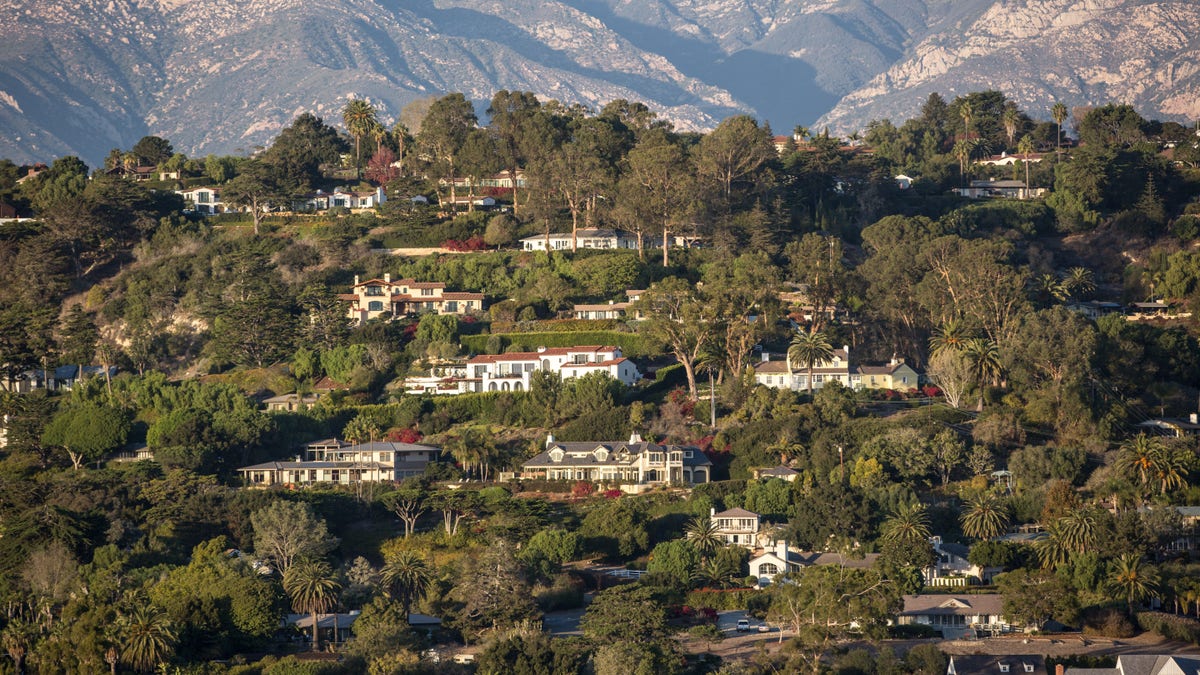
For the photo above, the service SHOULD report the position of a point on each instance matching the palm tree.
(1025, 148)
(402, 137)
(1011, 120)
(809, 349)
(407, 578)
(984, 357)
(909, 523)
(702, 532)
(1078, 530)
(963, 151)
(16, 638)
(1051, 551)
(1059, 113)
(1079, 281)
(966, 113)
(1148, 461)
(1049, 288)
(313, 590)
(359, 117)
(1131, 580)
(801, 133)
(148, 639)
(984, 516)
(361, 430)
(950, 335)
(717, 571)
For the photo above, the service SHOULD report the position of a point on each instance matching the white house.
(1005, 189)
(586, 238)
(778, 558)
(779, 374)
(336, 461)
(612, 310)
(373, 298)
(737, 527)
(340, 198)
(956, 616)
(204, 200)
(951, 567)
(633, 464)
(511, 372)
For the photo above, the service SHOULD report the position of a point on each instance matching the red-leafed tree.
(379, 168)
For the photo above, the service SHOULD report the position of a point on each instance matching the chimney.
(1194, 418)
(1059, 669)
(846, 348)
(355, 279)
(893, 361)
(541, 349)
(782, 459)
(781, 549)
(549, 440)
(712, 511)
(387, 277)
(635, 437)
(766, 356)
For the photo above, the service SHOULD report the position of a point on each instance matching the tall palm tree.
(966, 112)
(1059, 113)
(963, 151)
(1049, 288)
(984, 357)
(717, 571)
(407, 578)
(984, 516)
(702, 532)
(1132, 580)
(1080, 281)
(951, 335)
(1051, 551)
(1011, 120)
(148, 638)
(313, 590)
(908, 523)
(17, 638)
(809, 349)
(1149, 462)
(1025, 148)
(402, 137)
(1078, 530)
(359, 118)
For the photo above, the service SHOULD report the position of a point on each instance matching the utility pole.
(842, 463)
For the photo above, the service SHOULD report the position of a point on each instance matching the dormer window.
(1029, 667)
(1004, 667)
(601, 454)
(556, 455)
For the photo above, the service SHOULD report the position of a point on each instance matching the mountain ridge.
(226, 75)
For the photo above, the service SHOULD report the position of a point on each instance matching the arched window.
(491, 386)
(768, 569)
(556, 455)
(517, 387)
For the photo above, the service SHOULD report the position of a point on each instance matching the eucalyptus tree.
(656, 183)
(443, 133)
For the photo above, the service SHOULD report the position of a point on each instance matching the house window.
(375, 306)
(601, 454)
(1028, 667)
(427, 292)
(687, 454)
(556, 455)
(579, 358)
(768, 569)
(1004, 667)
(374, 290)
(451, 306)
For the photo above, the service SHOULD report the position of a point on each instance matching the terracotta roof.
(462, 295)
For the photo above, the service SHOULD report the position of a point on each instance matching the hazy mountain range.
(225, 75)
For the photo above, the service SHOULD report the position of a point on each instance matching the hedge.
(557, 326)
(1170, 626)
(631, 344)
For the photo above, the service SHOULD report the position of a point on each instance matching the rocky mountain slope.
(226, 75)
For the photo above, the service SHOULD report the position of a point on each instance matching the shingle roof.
(985, 664)
(779, 472)
(946, 604)
(735, 513)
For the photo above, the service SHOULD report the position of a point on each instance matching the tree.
(677, 315)
(148, 639)
(286, 531)
(443, 132)
(984, 516)
(256, 188)
(1059, 113)
(654, 185)
(807, 350)
(152, 150)
(625, 615)
(1011, 120)
(360, 120)
(87, 431)
(495, 593)
(952, 373)
(513, 117)
(702, 531)
(301, 148)
(674, 563)
(406, 578)
(361, 429)
(1131, 580)
(829, 602)
(1037, 597)
(313, 590)
(735, 158)
(408, 504)
(1025, 149)
(909, 522)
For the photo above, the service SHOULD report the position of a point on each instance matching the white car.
(743, 625)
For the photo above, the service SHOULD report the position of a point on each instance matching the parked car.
(743, 625)
(764, 628)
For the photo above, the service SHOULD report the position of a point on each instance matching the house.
(984, 664)
(1094, 309)
(1002, 189)
(956, 616)
(337, 628)
(951, 567)
(736, 527)
(479, 202)
(374, 298)
(502, 180)
(512, 371)
(446, 378)
(134, 452)
(778, 558)
(903, 182)
(781, 472)
(1173, 426)
(340, 198)
(612, 310)
(779, 374)
(136, 173)
(204, 200)
(336, 461)
(1149, 310)
(586, 238)
(633, 464)
(1145, 664)
(60, 378)
(291, 402)
(1005, 159)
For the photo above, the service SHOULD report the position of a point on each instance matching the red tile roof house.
(511, 372)
(375, 297)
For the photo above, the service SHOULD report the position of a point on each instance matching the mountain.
(226, 75)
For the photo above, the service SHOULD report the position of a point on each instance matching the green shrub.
(737, 598)
(631, 344)
(1170, 626)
